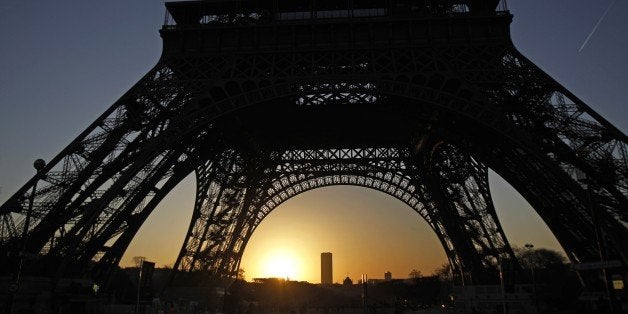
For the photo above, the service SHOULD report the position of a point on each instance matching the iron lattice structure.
(263, 100)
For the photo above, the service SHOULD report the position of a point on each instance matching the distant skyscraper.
(388, 276)
(327, 274)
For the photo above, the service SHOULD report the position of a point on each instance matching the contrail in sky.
(596, 25)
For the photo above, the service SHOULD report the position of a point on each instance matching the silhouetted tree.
(539, 258)
(415, 274)
(137, 260)
(557, 286)
(241, 273)
(444, 276)
(443, 273)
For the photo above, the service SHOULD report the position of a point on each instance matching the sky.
(63, 63)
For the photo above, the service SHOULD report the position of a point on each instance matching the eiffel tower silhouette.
(264, 100)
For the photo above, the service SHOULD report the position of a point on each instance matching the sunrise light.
(281, 264)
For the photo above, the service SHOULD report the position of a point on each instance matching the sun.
(281, 264)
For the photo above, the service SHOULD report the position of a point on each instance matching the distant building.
(269, 280)
(327, 273)
(347, 281)
(388, 276)
(374, 281)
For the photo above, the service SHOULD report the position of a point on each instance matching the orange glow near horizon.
(281, 264)
(368, 232)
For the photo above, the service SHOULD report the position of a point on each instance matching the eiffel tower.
(265, 99)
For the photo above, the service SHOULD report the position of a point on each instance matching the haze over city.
(56, 80)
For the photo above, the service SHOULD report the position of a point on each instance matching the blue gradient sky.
(63, 63)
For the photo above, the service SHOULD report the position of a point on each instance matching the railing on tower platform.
(208, 13)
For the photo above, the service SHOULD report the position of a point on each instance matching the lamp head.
(39, 164)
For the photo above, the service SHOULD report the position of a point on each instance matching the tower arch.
(477, 103)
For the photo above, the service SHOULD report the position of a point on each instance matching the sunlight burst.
(281, 264)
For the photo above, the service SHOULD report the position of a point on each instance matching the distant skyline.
(63, 63)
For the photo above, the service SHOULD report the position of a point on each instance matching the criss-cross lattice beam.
(85, 170)
(458, 186)
(460, 75)
(215, 253)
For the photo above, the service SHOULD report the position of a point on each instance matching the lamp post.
(365, 292)
(501, 283)
(39, 166)
(529, 247)
(139, 287)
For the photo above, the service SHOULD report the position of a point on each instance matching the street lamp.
(529, 247)
(39, 166)
(501, 283)
(365, 303)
